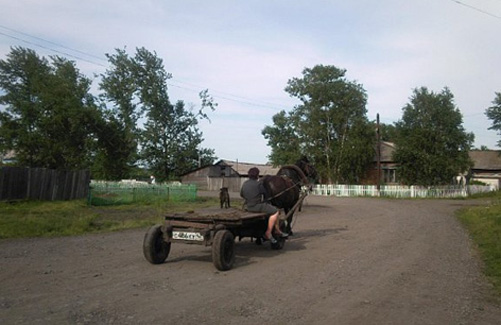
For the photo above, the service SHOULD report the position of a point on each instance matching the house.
(486, 167)
(8, 157)
(388, 166)
(224, 173)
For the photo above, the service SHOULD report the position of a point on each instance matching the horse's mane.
(296, 169)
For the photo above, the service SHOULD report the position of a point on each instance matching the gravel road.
(351, 261)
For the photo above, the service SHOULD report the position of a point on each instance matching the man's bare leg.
(272, 223)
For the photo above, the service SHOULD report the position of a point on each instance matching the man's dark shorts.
(263, 207)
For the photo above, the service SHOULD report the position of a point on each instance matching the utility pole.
(378, 154)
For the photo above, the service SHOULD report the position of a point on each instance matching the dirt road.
(351, 261)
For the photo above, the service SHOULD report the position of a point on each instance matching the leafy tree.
(171, 140)
(484, 148)
(283, 139)
(112, 156)
(48, 112)
(169, 144)
(432, 145)
(494, 114)
(52, 121)
(330, 126)
(388, 132)
(118, 155)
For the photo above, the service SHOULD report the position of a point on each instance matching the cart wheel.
(280, 241)
(279, 244)
(155, 249)
(223, 250)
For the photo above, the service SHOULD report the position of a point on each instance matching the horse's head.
(307, 168)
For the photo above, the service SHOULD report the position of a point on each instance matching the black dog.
(224, 197)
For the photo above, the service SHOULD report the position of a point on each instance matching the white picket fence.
(400, 191)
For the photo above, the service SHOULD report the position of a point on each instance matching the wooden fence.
(19, 183)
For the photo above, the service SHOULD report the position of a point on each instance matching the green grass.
(484, 226)
(67, 218)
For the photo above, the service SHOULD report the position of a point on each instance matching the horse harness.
(288, 188)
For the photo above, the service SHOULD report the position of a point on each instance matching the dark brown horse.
(284, 189)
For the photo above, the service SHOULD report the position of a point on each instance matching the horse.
(284, 189)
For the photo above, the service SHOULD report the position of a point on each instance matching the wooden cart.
(210, 227)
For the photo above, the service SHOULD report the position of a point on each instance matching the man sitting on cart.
(254, 193)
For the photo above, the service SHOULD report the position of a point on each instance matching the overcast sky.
(244, 52)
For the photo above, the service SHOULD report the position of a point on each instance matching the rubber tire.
(279, 244)
(223, 250)
(280, 241)
(155, 249)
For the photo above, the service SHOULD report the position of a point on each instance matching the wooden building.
(224, 173)
(486, 167)
(388, 172)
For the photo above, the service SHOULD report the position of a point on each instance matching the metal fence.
(19, 183)
(116, 193)
(400, 191)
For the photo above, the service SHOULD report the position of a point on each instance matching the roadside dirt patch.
(351, 261)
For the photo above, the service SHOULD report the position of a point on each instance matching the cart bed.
(231, 216)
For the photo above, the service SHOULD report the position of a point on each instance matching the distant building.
(388, 166)
(486, 167)
(8, 157)
(224, 173)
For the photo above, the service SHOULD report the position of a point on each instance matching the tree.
(118, 154)
(484, 148)
(283, 139)
(494, 114)
(431, 145)
(52, 121)
(388, 132)
(330, 126)
(112, 157)
(169, 143)
(171, 140)
(49, 111)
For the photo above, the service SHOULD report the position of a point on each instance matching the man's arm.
(263, 191)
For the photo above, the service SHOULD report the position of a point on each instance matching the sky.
(244, 53)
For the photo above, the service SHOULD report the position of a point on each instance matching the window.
(389, 176)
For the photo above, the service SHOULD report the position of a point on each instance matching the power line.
(477, 9)
(191, 87)
(53, 50)
(53, 43)
(227, 96)
(230, 99)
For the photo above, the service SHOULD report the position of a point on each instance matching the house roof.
(482, 159)
(8, 156)
(242, 167)
(486, 159)
(387, 149)
(11, 154)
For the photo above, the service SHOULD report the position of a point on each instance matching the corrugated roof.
(488, 159)
(243, 167)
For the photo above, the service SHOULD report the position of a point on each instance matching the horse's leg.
(288, 223)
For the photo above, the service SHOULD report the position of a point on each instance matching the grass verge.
(67, 218)
(484, 226)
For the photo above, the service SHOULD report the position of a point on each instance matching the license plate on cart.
(187, 235)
